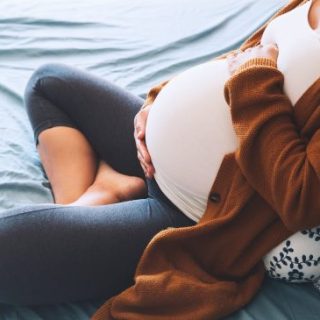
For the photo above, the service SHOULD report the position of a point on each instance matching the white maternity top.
(189, 127)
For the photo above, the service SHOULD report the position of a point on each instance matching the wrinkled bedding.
(136, 44)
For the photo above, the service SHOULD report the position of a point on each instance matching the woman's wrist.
(255, 62)
(261, 55)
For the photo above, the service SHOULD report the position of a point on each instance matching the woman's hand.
(140, 122)
(236, 59)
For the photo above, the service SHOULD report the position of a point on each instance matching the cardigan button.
(215, 197)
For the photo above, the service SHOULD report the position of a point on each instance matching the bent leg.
(77, 117)
(55, 253)
(69, 162)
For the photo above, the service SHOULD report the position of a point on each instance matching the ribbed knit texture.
(269, 189)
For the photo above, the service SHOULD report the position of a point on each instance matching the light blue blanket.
(136, 44)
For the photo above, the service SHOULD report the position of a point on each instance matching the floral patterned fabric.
(296, 259)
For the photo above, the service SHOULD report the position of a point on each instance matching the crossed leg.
(52, 253)
(83, 128)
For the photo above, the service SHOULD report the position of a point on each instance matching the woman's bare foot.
(110, 186)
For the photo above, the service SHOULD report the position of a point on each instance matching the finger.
(234, 53)
(144, 170)
(152, 170)
(140, 128)
(274, 46)
(142, 163)
(144, 151)
(137, 118)
(137, 127)
(141, 133)
(141, 158)
(142, 148)
(138, 133)
(146, 161)
(147, 165)
(231, 60)
(231, 54)
(138, 147)
(270, 45)
(230, 65)
(147, 168)
(135, 134)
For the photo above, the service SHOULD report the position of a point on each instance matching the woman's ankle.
(111, 186)
(96, 195)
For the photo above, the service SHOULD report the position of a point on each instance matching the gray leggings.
(52, 253)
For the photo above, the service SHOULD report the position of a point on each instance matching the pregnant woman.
(214, 155)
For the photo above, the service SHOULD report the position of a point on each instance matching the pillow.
(296, 259)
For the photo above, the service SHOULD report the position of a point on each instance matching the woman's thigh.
(58, 94)
(56, 253)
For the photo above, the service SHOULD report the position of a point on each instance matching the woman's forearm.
(279, 164)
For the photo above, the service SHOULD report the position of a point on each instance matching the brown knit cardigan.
(266, 190)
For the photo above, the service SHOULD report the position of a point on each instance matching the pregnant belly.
(188, 132)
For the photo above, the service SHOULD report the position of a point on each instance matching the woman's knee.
(44, 71)
(44, 84)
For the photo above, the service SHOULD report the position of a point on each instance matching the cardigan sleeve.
(277, 162)
(153, 92)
